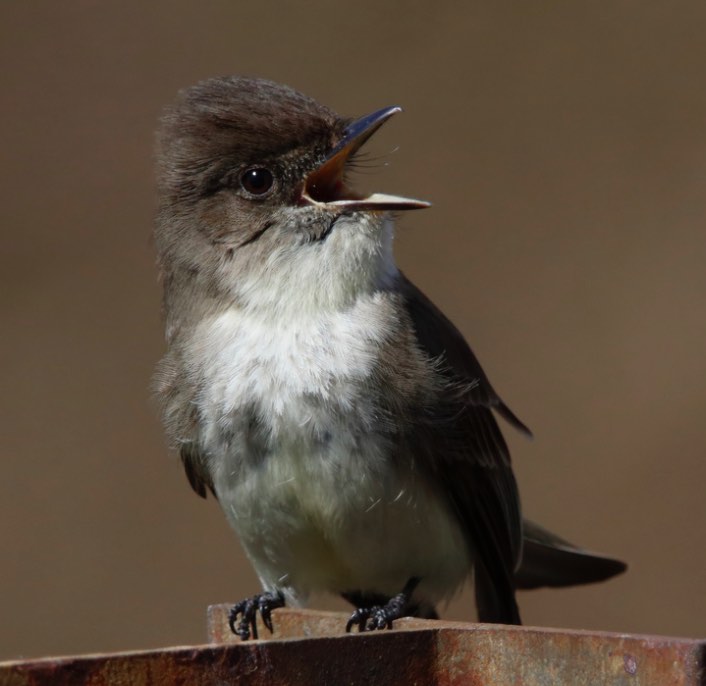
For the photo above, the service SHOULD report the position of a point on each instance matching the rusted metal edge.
(300, 623)
(310, 647)
(491, 654)
(380, 659)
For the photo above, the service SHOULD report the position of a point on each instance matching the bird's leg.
(247, 609)
(382, 616)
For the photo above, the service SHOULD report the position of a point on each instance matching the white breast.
(324, 507)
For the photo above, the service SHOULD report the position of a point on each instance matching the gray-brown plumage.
(341, 420)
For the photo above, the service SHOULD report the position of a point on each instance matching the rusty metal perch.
(309, 648)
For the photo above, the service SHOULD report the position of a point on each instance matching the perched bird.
(340, 419)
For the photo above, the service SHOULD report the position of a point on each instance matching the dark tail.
(549, 560)
(495, 598)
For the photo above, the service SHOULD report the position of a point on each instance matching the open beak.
(325, 185)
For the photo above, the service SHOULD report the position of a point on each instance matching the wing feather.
(472, 461)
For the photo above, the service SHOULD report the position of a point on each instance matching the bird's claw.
(375, 618)
(360, 618)
(379, 617)
(247, 610)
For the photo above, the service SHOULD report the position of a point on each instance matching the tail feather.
(495, 598)
(549, 560)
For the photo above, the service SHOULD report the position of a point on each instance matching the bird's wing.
(179, 416)
(470, 459)
(196, 471)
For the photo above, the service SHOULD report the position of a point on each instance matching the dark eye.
(257, 181)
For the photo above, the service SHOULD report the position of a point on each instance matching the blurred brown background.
(563, 146)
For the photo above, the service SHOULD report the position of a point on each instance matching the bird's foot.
(381, 616)
(247, 610)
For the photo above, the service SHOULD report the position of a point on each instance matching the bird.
(342, 422)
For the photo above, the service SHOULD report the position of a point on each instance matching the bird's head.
(255, 199)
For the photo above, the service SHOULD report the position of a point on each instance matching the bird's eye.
(257, 181)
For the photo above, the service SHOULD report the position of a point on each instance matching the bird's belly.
(304, 466)
(339, 517)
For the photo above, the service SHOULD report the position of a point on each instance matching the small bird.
(341, 420)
